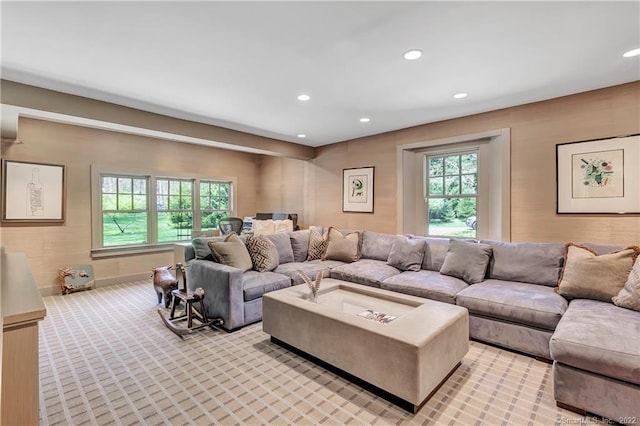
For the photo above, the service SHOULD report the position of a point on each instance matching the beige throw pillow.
(231, 252)
(588, 276)
(263, 253)
(629, 296)
(345, 248)
(317, 245)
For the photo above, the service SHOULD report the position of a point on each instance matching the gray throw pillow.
(406, 254)
(467, 261)
(283, 244)
(300, 244)
(201, 247)
(231, 252)
(629, 296)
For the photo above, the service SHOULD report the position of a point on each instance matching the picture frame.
(33, 192)
(599, 176)
(357, 190)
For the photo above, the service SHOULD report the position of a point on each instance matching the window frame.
(98, 250)
(453, 152)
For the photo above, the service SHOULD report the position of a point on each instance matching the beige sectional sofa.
(508, 288)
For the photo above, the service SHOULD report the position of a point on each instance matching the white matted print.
(357, 191)
(599, 176)
(33, 192)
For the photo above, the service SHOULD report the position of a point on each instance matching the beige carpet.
(106, 358)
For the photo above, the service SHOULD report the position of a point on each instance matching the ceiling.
(241, 65)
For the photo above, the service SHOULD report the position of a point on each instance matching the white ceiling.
(241, 65)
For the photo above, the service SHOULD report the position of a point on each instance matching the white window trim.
(97, 249)
(494, 189)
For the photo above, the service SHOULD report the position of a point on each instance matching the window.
(215, 203)
(124, 206)
(174, 201)
(135, 211)
(452, 194)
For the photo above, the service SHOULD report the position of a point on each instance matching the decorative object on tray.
(599, 176)
(163, 283)
(377, 316)
(313, 286)
(76, 278)
(357, 190)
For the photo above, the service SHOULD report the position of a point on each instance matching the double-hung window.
(451, 193)
(140, 211)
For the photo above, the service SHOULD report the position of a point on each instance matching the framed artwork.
(33, 192)
(357, 190)
(599, 176)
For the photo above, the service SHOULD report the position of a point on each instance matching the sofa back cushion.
(283, 245)
(534, 263)
(300, 244)
(434, 253)
(376, 246)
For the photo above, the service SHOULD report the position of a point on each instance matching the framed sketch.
(33, 192)
(599, 176)
(357, 190)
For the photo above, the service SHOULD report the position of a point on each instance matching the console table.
(22, 308)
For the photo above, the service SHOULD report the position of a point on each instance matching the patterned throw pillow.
(629, 296)
(587, 275)
(263, 253)
(317, 245)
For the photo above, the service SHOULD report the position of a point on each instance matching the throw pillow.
(263, 253)
(343, 247)
(467, 261)
(317, 245)
(407, 254)
(587, 275)
(231, 252)
(629, 296)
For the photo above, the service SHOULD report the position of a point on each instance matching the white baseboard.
(103, 282)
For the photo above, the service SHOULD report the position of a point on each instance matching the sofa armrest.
(223, 290)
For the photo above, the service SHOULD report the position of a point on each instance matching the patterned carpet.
(106, 358)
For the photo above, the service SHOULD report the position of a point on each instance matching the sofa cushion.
(534, 263)
(263, 253)
(587, 275)
(406, 254)
(317, 244)
(528, 304)
(599, 337)
(310, 268)
(300, 244)
(376, 246)
(434, 253)
(428, 284)
(283, 245)
(629, 296)
(255, 284)
(365, 271)
(201, 247)
(342, 246)
(231, 252)
(466, 260)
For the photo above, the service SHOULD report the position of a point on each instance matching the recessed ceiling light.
(304, 97)
(365, 120)
(412, 55)
(460, 95)
(631, 53)
(302, 135)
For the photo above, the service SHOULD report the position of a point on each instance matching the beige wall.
(535, 131)
(50, 247)
(313, 188)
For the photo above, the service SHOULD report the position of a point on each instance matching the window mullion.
(152, 208)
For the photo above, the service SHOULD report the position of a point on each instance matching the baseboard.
(103, 282)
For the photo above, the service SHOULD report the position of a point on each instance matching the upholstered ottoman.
(403, 346)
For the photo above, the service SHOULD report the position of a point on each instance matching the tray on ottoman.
(401, 347)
